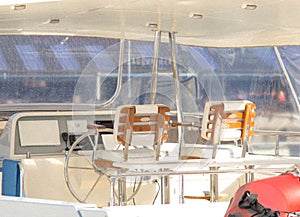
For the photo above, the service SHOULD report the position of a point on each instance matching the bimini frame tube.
(120, 73)
(287, 78)
(157, 41)
(178, 108)
(165, 179)
(177, 91)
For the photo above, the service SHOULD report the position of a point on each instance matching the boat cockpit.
(167, 113)
(66, 90)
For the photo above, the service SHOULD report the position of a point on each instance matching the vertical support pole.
(214, 186)
(181, 188)
(129, 66)
(112, 191)
(122, 191)
(165, 179)
(155, 65)
(165, 189)
(177, 91)
(178, 107)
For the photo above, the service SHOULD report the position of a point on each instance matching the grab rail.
(277, 134)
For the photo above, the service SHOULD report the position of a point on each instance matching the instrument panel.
(38, 133)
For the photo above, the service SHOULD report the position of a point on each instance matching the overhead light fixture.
(196, 15)
(152, 25)
(18, 7)
(248, 6)
(54, 21)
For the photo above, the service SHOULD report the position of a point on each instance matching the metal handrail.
(277, 134)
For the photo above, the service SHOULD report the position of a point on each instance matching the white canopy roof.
(218, 23)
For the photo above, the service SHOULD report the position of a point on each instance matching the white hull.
(25, 207)
(28, 207)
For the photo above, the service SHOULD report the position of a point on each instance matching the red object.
(280, 193)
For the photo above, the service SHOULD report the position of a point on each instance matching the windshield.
(44, 69)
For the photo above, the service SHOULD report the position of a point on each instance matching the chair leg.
(214, 186)
(122, 191)
(181, 187)
(165, 189)
(112, 191)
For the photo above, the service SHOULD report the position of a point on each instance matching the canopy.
(216, 23)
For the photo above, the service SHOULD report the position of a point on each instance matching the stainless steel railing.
(277, 134)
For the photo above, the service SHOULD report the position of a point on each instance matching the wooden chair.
(141, 126)
(139, 131)
(228, 121)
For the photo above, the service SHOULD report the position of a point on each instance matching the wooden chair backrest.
(228, 121)
(141, 125)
